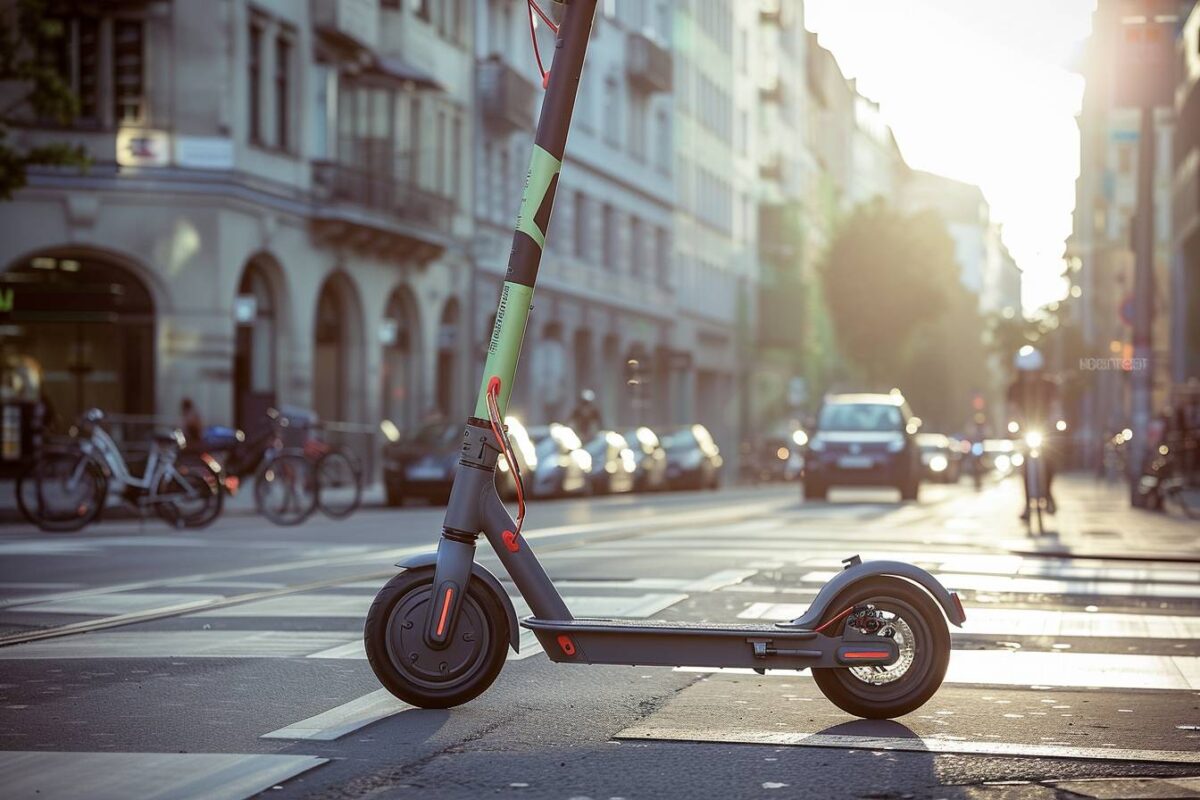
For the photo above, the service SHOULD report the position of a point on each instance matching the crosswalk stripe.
(341, 720)
(117, 603)
(932, 744)
(178, 644)
(1035, 622)
(1060, 670)
(163, 776)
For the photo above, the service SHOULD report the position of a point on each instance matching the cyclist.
(1034, 404)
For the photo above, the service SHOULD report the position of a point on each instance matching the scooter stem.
(473, 494)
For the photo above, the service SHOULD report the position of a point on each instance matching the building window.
(253, 78)
(456, 158)
(129, 81)
(637, 126)
(662, 141)
(608, 247)
(662, 257)
(612, 121)
(637, 248)
(581, 223)
(283, 122)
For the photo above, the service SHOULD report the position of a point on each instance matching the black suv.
(863, 440)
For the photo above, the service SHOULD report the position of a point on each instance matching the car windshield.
(435, 435)
(546, 447)
(679, 440)
(859, 417)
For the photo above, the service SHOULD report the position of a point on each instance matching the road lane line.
(179, 644)
(167, 776)
(1035, 622)
(1056, 669)
(341, 720)
(658, 732)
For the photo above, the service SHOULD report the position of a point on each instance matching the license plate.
(855, 462)
(425, 472)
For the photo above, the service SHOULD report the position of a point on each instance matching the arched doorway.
(88, 322)
(447, 361)
(255, 365)
(401, 380)
(338, 351)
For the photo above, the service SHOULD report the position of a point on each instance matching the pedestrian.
(192, 424)
(585, 418)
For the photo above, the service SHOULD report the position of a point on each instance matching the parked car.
(777, 455)
(562, 463)
(423, 464)
(649, 458)
(613, 464)
(863, 440)
(1001, 455)
(693, 458)
(940, 457)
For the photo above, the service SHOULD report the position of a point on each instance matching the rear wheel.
(909, 616)
(418, 674)
(285, 489)
(62, 492)
(339, 484)
(196, 494)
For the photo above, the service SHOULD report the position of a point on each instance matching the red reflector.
(865, 654)
(510, 541)
(445, 609)
(568, 647)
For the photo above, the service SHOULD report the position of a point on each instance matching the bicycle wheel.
(197, 497)
(62, 492)
(285, 489)
(339, 484)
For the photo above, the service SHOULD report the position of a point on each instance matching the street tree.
(32, 89)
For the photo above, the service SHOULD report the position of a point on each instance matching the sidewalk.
(1095, 519)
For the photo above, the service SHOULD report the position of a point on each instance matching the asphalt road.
(228, 662)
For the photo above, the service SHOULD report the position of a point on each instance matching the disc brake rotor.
(464, 652)
(894, 627)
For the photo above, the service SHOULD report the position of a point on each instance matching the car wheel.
(814, 490)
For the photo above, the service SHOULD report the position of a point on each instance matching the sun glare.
(982, 92)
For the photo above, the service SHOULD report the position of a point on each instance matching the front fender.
(866, 569)
(482, 573)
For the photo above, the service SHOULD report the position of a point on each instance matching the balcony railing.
(649, 64)
(355, 22)
(388, 194)
(508, 99)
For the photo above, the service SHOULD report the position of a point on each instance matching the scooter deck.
(637, 642)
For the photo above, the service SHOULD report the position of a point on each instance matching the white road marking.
(162, 776)
(1057, 669)
(718, 580)
(1034, 622)
(651, 730)
(116, 603)
(349, 606)
(346, 718)
(177, 644)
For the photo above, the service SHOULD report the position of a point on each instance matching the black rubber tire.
(479, 659)
(49, 467)
(932, 638)
(300, 499)
(338, 465)
(815, 491)
(910, 491)
(198, 475)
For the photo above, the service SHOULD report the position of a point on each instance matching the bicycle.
(1037, 497)
(1165, 484)
(67, 487)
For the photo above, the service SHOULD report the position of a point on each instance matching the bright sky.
(981, 91)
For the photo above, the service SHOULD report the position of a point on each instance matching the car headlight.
(938, 463)
(1018, 459)
(1003, 462)
(1034, 439)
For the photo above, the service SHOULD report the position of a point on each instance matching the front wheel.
(418, 674)
(910, 617)
(339, 484)
(62, 492)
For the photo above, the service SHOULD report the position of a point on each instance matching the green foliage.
(901, 315)
(27, 36)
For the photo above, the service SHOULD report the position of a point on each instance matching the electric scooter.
(437, 634)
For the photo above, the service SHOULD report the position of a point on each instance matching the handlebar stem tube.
(474, 507)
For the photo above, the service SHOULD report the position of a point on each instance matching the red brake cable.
(537, 53)
(493, 393)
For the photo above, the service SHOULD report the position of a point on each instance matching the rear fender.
(481, 572)
(869, 569)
